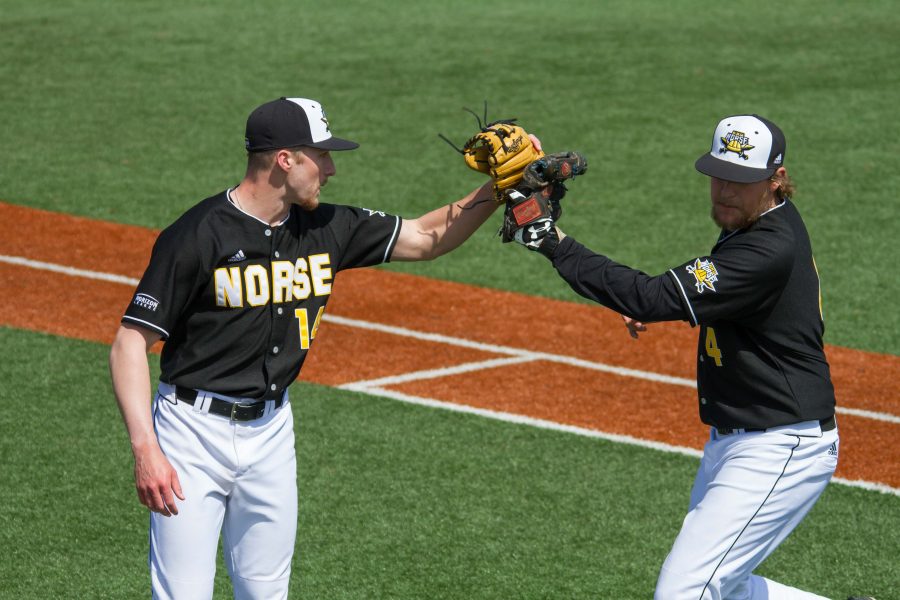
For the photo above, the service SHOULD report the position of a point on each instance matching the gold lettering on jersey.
(280, 281)
(307, 333)
(321, 275)
(229, 291)
(712, 346)
(302, 287)
(256, 283)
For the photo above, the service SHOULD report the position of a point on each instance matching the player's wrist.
(550, 243)
(143, 443)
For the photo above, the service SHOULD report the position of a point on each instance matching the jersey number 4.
(712, 349)
(307, 334)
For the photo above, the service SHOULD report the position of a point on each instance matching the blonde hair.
(263, 161)
(260, 161)
(785, 187)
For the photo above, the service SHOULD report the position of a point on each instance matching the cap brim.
(334, 143)
(722, 169)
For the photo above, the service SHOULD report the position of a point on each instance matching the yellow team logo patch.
(705, 274)
(736, 142)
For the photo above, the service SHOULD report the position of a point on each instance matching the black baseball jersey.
(756, 298)
(239, 301)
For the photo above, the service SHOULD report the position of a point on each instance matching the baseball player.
(237, 287)
(763, 383)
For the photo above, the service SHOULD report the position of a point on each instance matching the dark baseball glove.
(533, 207)
(530, 216)
(553, 168)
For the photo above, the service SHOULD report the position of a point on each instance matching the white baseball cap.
(290, 123)
(745, 149)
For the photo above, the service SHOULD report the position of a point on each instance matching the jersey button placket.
(276, 331)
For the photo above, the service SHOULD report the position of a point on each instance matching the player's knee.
(680, 586)
(254, 589)
(170, 588)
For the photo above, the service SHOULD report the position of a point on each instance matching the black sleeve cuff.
(562, 249)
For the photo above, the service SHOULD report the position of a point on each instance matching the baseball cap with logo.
(289, 123)
(745, 149)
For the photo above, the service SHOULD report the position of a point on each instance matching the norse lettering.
(280, 281)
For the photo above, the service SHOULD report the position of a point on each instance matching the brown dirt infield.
(87, 309)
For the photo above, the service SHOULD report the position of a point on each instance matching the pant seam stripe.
(746, 525)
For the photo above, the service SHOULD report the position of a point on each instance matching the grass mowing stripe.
(397, 501)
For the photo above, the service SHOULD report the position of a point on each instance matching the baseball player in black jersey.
(237, 287)
(763, 383)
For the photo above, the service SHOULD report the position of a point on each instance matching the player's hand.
(156, 481)
(633, 326)
(536, 142)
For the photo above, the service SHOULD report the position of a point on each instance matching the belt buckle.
(729, 430)
(236, 405)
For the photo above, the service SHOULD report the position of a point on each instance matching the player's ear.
(287, 158)
(777, 178)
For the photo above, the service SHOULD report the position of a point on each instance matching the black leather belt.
(236, 411)
(826, 425)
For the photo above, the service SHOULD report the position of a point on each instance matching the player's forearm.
(131, 384)
(447, 227)
(618, 287)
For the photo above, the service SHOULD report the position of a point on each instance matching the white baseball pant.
(751, 491)
(238, 478)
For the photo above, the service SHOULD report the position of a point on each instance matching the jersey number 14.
(307, 333)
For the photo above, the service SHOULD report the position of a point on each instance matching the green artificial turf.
(396, 501)
(134, 111)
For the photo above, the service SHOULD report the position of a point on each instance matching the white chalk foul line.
(435, 373)
(572, 429)
(526, 355)
(556, 358)
(518, 355)
(868, 414)
(45, 266)
(523, 420)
